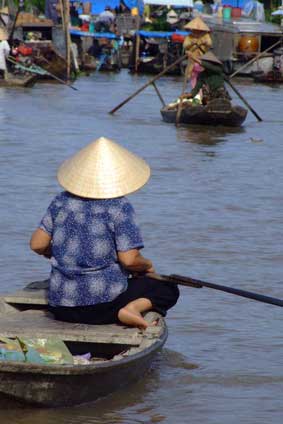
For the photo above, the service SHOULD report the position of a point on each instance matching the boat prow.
(216, 112)
(19, 81)
(120, 355)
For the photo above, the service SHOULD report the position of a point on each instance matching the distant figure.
(210, 80)
(197, 43)
(105, 20)
(51, 10)
(4, 53)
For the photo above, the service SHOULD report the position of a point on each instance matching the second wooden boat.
(120, 355)
(216, 112)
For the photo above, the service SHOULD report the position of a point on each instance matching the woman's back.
(86, 235)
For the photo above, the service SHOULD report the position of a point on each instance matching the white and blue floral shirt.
(86, 236)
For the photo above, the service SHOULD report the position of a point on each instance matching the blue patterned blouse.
(86, 235)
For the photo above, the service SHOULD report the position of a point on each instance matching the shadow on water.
(207, 135)
(168, 365)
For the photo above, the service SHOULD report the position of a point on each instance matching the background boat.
(216, 112)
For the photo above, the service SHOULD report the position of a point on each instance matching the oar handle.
(192, 282)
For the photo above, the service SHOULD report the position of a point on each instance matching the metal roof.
(242, 25)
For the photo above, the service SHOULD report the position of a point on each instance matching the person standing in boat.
(210, 80)
(90, 234)
(197, 43)
(4, 53)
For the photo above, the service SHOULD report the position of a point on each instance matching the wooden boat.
(120, 355)
(216, 112)
(99, 51)
(19, 81)
(47, 57)
(153, 51)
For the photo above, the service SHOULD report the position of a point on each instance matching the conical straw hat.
(3, 34)
(210, 57)
(103, 170)
(197, 24)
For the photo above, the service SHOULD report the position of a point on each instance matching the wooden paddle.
(192, 282)
(151, 81)
(180, 104)
(227, 80)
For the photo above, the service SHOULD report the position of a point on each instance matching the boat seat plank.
(35, 293)
(27, 297)
(41, 324)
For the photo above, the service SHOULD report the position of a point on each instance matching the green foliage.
(273, 19)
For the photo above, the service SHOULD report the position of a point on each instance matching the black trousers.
(162, 296)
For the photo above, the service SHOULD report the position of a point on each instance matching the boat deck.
(20, 319)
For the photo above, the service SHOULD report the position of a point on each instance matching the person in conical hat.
(90, 234)
(196, 43)
(210, 80)
(4, 52)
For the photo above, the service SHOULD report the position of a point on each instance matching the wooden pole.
(148, 83)
(243, 99)
(68, 39)
(137, 42)
(180, 104)
(159, 94)
(192, 282)
(254, 59)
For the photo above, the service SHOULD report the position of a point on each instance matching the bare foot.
(129, 318)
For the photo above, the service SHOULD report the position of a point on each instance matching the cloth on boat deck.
(211, 81)
(86, 235)
(163, 296)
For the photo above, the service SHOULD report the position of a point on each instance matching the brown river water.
(212, 210)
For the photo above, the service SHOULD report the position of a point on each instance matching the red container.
(85, 27)
(236, 12)
(177, 38)
(24, 50)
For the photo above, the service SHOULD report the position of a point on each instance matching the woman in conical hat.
(90, 234)
(197, 43)
(210, 80)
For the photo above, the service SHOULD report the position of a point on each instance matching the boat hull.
(72, 385)
(120, 354)
(11, 82)
(212, 114)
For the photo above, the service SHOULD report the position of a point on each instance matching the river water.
(212, 210)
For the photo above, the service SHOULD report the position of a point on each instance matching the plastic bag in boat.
(15, 350)
(51, 350)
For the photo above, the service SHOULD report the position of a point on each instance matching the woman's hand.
(186, 96)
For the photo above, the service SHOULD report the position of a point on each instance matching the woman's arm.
(133, 261)
(40, 243)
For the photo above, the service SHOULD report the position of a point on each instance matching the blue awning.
(109, 35)
(161, 34)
